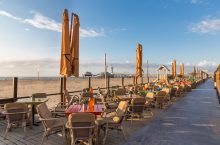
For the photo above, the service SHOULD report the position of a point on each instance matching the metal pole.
(106, 83)
(15, 88)
(134, 78)
(147, 72)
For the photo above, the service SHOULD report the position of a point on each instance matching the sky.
(185, 30)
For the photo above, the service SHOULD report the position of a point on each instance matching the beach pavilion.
(162, 73)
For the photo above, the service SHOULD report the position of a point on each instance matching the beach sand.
(28, 87)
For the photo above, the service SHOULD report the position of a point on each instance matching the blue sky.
(185, 30)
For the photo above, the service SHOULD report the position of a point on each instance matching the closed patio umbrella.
(183, 69)
(75, 46)
(66, 61)
(138, 62)
(194, 72)
(174, 68)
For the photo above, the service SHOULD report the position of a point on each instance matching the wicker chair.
(17, 115)
(137, 107)
(160, 99)
(150, 102)
(51, 124)
(82, 127)
(60, 108)
(167, 97)
(113, 121)
(84, 97)
(2, 115)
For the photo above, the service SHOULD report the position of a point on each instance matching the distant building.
(87, 74)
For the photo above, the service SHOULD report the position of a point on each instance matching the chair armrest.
(48, 119)
(7, 113)
(88, 127)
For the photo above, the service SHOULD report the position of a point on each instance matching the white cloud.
(206, 26)
(42, 22)
(91, 33)
(206, 63)
(6, 14)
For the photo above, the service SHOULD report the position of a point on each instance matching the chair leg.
(24, 126)
(7, 129)
(122, 130)
(90, 141)
(45, 134)
(105, 135)
(64, 135)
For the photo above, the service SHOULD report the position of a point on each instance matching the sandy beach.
(28, 87)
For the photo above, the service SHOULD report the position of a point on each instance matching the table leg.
(33, 118)
(32, 108)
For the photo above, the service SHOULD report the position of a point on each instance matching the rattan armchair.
(113, 120)
(51, 124)
(137, 107)
(17, 115)
(82, 127)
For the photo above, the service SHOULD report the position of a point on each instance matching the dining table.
(77, 108)
(33, 102)
(127, 97)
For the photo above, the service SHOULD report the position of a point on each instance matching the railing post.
(15, 88)
(89, 82)
(61, 89)
(122, 81)
(108, 83)
(142, 80)
(134, 80)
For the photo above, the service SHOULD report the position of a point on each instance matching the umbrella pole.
(64, 88)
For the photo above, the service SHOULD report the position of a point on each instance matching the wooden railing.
(15, 89)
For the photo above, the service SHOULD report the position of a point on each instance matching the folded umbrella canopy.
(182, 70)
(174, 68)
(194, 72)
(139, 69)
(75, 46)
(66, 61)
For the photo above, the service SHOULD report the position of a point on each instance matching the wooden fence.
(62, 86)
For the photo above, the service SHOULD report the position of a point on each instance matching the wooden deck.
(33, 136)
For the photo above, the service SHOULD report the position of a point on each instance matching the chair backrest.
(67, 96)
(86, 94)
(122, 108)
(161, 93)
(85, 90)
(81, 125)
(44, 113)
(16, 108)
(150, 95)
(160, 99)
(137, 105)
(167, 90)
(120, 91)
(39, 95)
